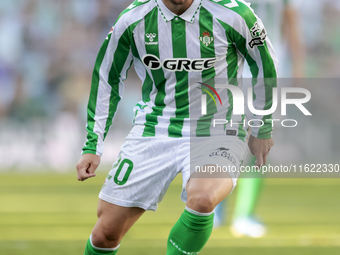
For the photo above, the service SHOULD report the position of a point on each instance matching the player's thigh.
(142, 173)
(214, 189)
(114, 221)
(212, 171)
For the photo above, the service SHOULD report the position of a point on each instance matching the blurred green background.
(47, 52)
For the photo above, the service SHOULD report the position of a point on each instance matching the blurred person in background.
(48, 44)
(45, 51)
(281, 21)
(11, 47)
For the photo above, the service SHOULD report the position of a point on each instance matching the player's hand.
(260, 148)
(86, 166)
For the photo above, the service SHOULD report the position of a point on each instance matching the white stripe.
(103, 249)
(140, 44)
(139, 68)
(141, 71)
(232, 4)
(197, 213)
(193, 52)
(103, 96)
(166, 51)
(221, 70)
(220, 12)
(103, 90)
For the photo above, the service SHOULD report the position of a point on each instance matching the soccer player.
(182, 50)
(280, 19)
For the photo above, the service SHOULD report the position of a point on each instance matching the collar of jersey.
(188, 15)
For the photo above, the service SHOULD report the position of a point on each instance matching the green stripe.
(230, 108)
(269, 72)
(92, 138)
(241, 130)
(234, 37)
(247, 14)
(250, 19)
(147, 87)
(241, 134)
(181, 88)
(232, 61)
(119, 60)
(151, 26)
(206, 24)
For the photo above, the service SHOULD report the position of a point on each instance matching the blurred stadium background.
(47, 52)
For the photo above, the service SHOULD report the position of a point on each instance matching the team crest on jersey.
(151, 39)
(206, 39)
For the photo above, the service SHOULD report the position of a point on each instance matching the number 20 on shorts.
(127, 173)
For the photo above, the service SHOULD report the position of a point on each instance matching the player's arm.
(260, 56)
(293, 34)
(87, 165)
(109, 73)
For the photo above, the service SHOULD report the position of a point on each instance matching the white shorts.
(147, 165)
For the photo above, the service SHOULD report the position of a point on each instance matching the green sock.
(90, 250)
(248, 192)
(190, 233)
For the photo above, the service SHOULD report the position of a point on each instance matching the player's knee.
(104, 238)
(202, 202)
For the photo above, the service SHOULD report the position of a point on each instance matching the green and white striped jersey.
(173, 55)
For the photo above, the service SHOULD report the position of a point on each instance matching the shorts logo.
(151, 37)
(206, 39)
(259, 35)
(223, 152)
(178, 64)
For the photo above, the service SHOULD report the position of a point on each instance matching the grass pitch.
(54, 214)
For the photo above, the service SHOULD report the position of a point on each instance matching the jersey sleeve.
(110, 71)
(258, 51)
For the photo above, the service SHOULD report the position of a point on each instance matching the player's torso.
(174, 52)
(167, 48)
(173, 57)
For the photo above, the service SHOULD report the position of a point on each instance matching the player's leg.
(247, 196)
(113, 223)
(203, 194)
(193, 229)
(137, 182)
(220, 214)
(248, 193)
